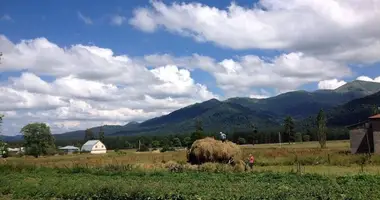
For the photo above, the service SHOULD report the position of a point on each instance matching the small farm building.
(16, 150)
(365, 136)
(69, 149)
(94, 147)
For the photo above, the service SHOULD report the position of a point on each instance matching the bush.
(143, 148)
(306, 138)
(298, 137)
(241, 140)
(167, 148)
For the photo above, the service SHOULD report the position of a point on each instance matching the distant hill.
(346, 104)
(360, 88)
(354, 111)
(301, 104)
(215, 116)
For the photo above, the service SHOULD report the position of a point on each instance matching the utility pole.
(279, 138)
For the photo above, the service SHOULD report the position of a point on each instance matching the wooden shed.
(365, 136)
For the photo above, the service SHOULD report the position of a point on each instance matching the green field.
(292, 171)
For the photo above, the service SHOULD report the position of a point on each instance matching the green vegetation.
(3, 145)
(101, 134)
(88, 135)
(38, 139)
(321, 129)
(290, 171)
(289, 130)
(24, 182)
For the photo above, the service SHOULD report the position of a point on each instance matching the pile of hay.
(211, 150)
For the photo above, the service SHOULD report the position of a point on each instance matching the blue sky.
(196, 50)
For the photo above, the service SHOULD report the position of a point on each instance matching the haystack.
(211, 150)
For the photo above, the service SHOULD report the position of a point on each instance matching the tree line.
(38, 139)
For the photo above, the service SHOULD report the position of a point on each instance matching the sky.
(80, 64)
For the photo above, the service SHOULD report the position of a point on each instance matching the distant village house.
(365, 136)
(16, 150)
(94, 147)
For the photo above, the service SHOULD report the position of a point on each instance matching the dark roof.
(375, 117)
(356, 125)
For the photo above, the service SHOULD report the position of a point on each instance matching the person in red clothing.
(251, 160)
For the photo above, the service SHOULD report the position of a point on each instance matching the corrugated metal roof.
(69, 148)
(91, 142)
(375, 116)
(89, 145)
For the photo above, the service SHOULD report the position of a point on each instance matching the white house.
(94, 147)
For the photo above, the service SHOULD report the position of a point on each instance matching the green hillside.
(359, 87)
(215, 116)
(354, 111)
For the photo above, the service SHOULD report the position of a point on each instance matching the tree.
(1, 121)
(128, 145)
(375, 110)
(242, 140)
(155, 144)
(306, 138)
(88, 135)
(101, 134)
(254, 133)
(289, 129)
(321, 128)
(198, 134)
(187, 142)
(38, 139)
(177, 142)
(298, 137)
(3, 149)
(3, 145)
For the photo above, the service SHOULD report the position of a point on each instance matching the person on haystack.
(222, 136)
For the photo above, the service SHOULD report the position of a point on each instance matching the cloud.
(342, 30)
(80, 86)
(85, 19)
(263, 94)
(83, 86)
(331, 84)
(143, 20)
(245, 74)
(366, 78)
(117, 20)
(6, 17)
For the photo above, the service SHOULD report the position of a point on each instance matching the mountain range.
(345, 105)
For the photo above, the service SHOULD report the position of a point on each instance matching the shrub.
(306, 138)
(143, 148)
(167, 148)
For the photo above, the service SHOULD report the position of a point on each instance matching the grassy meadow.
(289, 171)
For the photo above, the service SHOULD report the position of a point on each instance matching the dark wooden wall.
(357, 137)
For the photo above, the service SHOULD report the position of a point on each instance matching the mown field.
(296, 171)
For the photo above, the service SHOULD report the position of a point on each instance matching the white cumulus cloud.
(342, 30)
(83, 86)
(330, 84)
(366, 78)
